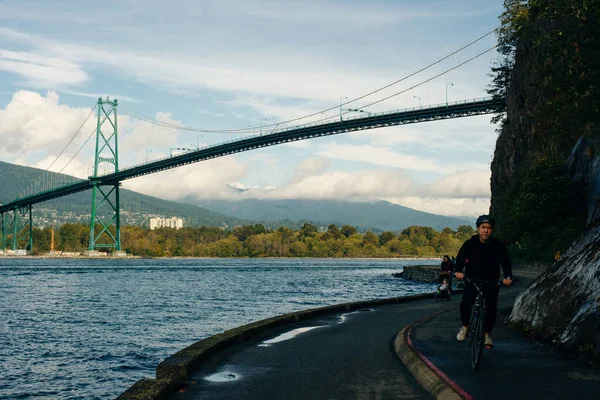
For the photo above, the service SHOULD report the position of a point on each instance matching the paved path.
(516, 368)
(351, 356)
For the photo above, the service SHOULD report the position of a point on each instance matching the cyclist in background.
(481, 257)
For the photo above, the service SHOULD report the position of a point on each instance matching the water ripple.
(89, 329)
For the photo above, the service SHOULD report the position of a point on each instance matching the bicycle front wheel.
(477, 339)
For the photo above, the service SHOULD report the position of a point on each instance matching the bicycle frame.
(476, 332)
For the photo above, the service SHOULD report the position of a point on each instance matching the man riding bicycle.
(481, 257)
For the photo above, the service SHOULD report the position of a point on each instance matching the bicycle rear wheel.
(478, 339)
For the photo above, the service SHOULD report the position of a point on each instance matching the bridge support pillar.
(14, 225)
(20, 224)
(3, 233)
(107, 151)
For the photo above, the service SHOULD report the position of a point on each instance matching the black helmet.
(485, 218)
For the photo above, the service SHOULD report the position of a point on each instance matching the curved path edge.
(172, 373)
(431, 378)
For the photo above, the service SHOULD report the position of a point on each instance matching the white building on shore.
(172, 222)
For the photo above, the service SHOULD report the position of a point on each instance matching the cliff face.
(514, 143)
(563, 304)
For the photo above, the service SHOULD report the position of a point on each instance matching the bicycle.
(476, 331)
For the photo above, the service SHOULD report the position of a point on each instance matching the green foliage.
(513, 20)
(566, 35)
(257, 241)
(308, 230)
(370, 238)
(73, 237)
(464, 232)
(334, 231)
(386, 237)
(546, 212)
(348, 230)
(229, 247)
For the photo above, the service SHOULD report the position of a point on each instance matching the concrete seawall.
(175, 370)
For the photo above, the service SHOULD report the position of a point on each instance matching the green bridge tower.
(105, 202)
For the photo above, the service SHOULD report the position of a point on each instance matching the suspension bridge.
(16, 216)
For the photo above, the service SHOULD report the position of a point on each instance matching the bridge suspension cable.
(77, 152)
(84, 143)
(433, 77)
(172, 126)
(164, 124)
(72, 138)
(40, 179)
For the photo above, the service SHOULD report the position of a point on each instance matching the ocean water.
(89, 329)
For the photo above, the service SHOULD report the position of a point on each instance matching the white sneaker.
(462, 334)
(488, 343)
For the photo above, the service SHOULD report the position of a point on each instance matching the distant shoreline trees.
(258, 241)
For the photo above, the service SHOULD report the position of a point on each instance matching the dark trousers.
(490, 293)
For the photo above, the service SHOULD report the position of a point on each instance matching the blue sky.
(254, 64)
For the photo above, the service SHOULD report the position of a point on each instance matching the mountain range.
(376, 215)
(136, 209)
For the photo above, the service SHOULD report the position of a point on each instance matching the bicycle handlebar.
(475, 280)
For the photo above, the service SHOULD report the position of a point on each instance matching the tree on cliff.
(512, 19)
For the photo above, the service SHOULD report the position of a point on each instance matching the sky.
(250, 66)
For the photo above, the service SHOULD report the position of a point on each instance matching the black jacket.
(483, 260)
(446, 266)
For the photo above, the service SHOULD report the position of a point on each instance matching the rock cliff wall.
(563, 304)
(514, 143)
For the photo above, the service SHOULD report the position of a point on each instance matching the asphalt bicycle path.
(351, 356)
(516, 368)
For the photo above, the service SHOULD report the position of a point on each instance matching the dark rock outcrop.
(584, 167)
(563, 304)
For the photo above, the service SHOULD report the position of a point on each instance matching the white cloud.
(352, 186)
(32, 123)
(445, 206)
(35, 129)
(308, 167)
(208, 179)
(138, 136)
(380, 156)
(461, 184)
(260, 80)
(43, 71)
(465, 193)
